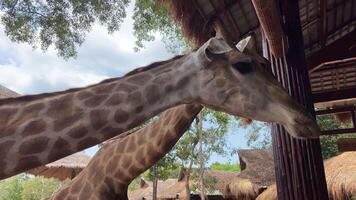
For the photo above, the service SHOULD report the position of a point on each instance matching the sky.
(102, 55)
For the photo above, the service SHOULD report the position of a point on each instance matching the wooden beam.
(346, 144)
(338, 131)
(342, 48)
(334, 95)
(335, 110)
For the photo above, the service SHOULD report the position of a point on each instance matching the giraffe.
(39, 129)
(122, 159)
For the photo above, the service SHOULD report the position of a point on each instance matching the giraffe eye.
(242, 67)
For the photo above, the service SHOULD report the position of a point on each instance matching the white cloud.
(101, 56)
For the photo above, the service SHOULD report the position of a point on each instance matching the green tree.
(61, 23)
(225, 167)
(209, 133)
(12, 188)
(37, 188)
(64, 24)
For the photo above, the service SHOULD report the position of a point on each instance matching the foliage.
(39, 188)
(166, 168)
(24, 187)
(61, 23)
(151, 17)
(258, 134)
(225, 167)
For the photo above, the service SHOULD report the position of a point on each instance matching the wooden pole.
(298, 163)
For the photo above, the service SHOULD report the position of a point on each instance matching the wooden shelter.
(300, 38)
(257, 173)
(340, 177)
(62, 169)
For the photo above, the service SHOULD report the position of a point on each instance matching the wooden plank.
(334, 95)
(338, 131)
(346, 144)
(340, 49)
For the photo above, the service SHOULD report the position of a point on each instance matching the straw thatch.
(194, 27)
(7, 93)
(340, 172)
(269, 194)
(222, 178)
(256, 175)
(64, 168)
(168, 189)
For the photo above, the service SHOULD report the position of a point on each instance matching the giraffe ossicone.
(39, 129)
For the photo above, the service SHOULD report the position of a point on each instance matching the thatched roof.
(64, 168)
(257, 173)
(222, 178)
(167, 189)
(269, 194)
(340, 172)
(7, 93)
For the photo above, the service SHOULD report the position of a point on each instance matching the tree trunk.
(155, 181)
(201, 156)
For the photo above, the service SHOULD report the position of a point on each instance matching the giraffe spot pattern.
(77, 132)
(34, 145)
(95, 101)
(62, 194)
(60, 149)
(27, 163)
(124, 87)
(138, 109)
(68, 120)
(139, 79)
(152, 93)
(104, 89)
(109, 132)
(134, 170)
(134, 98)
(115, 99)
(76, 187)
(87, 142)
(34, 127)
(121, 116)
(84, 95)
(86, 191)
(5, 147)
(138, 120)
(61, 106)
(98, 118)
(7, 114)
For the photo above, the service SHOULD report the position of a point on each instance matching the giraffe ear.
(213, 47)
(247, 44)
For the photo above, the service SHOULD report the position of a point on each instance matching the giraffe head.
(243, 86)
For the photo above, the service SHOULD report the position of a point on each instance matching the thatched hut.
(340, 172)
(257, 173)
(62, 169)
(7, 93)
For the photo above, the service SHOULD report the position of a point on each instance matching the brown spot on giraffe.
(140, 79)
(27, 163)
(34, 108)
(34, 145)
(127, 88)
(34, 127)
(134, 98)
(116, 99)
(95, 101)
(121, 116)
(5, 147)
(78, 132)
(99, 118)
(87, 142)
(7, 114)
(109, 132)
(69, 120)
(61, 106)
(61, 148)
(104, 89)
(84, 95)
(152, 93)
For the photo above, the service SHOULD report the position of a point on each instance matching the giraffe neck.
(121, 160)
(36, 130)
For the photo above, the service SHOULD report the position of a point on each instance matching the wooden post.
(298, 163)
